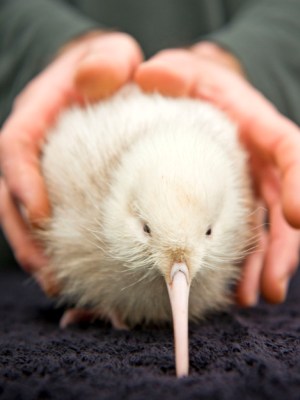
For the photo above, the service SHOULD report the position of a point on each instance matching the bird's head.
(175, 220)
(167, 210)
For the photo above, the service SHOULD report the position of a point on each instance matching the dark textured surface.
(245, 354)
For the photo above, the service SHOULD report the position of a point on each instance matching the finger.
(27, 252)
(249, 285)
(109, 63)
(282, 257)
(286, 150)
(24, 132)
(20, 166)
(170, 72)
(282, 253)
(269, 133)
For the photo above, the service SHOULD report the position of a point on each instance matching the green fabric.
(31, 32)
(264, 35)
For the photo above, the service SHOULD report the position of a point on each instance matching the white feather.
(174, 164)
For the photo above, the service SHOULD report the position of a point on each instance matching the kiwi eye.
(208, 232)
(147, 229)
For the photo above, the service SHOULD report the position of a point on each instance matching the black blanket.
(242, 354)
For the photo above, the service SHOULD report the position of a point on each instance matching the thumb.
(109, 62)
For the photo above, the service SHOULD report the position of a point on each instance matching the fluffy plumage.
(138, 182)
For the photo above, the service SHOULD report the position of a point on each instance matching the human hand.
(273, 142)
(89, 68)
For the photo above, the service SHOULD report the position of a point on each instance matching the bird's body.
(138, 183)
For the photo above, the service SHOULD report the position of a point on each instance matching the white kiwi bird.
(152, 211)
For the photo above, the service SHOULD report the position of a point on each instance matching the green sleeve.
(31, 32)
(265, 37)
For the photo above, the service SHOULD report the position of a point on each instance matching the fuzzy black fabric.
(242, 354)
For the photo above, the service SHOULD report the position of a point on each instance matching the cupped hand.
(89, 68)
(273, 142)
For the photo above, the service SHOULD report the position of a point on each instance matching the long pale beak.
(178, 288)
